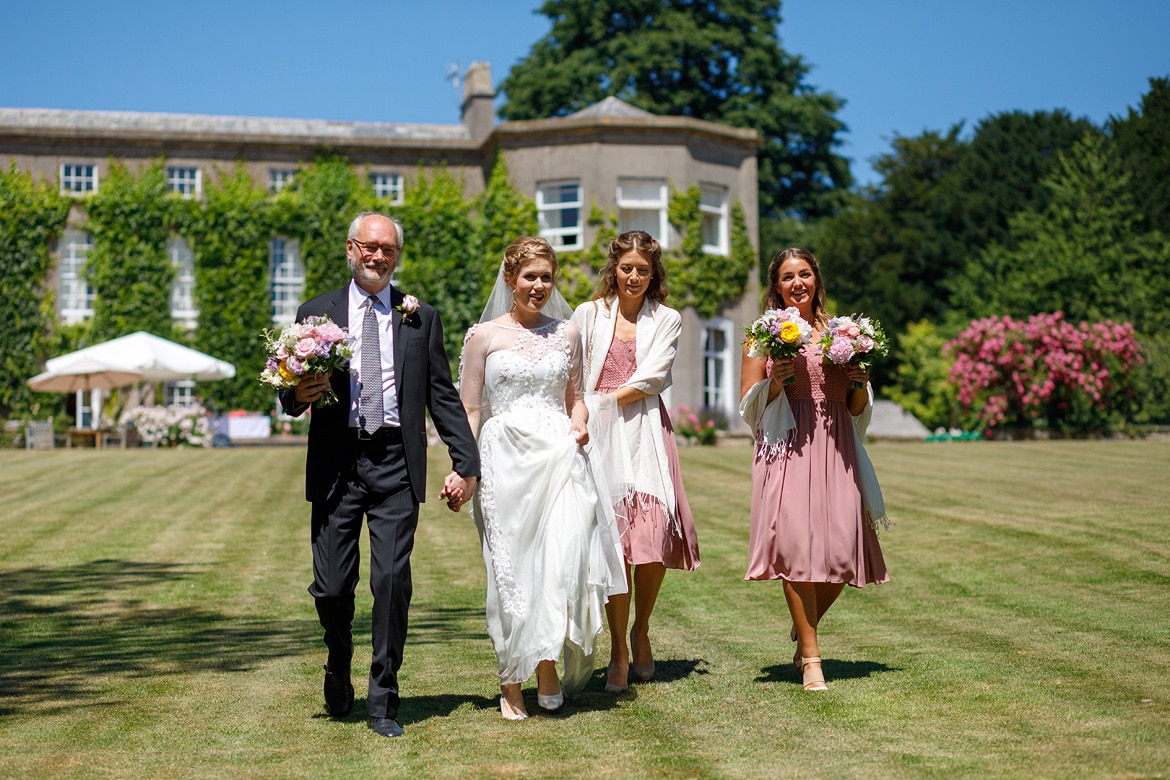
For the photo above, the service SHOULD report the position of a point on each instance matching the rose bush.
(1044, 372)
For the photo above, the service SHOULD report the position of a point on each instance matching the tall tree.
(710, 59)
(889, 251)
(1080, 255)
(1002, 170)
(1143, 141)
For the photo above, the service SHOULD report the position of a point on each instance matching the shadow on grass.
(443, 625)
(64, 632)
(834, 670)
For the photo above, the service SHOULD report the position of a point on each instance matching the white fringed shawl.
(629, 439)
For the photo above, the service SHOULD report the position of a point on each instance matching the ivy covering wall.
(452, 251)
(128, 266)
(229, 234)
(31, 215)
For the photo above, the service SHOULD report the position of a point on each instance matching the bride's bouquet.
(778, 333)
(853, 339)
(316, 346)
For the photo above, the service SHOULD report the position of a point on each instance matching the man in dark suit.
(367, 456)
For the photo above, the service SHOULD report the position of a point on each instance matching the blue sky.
(902, 66)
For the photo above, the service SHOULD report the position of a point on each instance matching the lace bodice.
(620, 364)
(518, 369)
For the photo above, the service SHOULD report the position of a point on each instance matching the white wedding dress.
(550, 548)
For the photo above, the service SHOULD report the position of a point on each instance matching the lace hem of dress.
(512, 599)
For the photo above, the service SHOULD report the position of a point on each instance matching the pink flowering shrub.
(1045, 370)
(697, 426)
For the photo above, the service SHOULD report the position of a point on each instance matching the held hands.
(310, 388)
(457, 490)
(858, 375)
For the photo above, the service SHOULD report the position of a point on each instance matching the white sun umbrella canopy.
(157, 359)
(83, 374)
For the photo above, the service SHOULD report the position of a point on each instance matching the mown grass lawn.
(154, 622)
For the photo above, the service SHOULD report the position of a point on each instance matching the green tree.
(128, 265)
(439, 263)
(229, 236)
(31, 214)
(1002, 170)
(1143, 141)
(920, 383)
(719, 60)
(1082, 255)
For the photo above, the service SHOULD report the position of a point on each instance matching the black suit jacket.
(423, 381)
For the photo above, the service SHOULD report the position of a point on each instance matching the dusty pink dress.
(652, 536)
(807, 523)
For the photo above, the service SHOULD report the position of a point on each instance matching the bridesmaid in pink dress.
(630, 339)
(808, 523)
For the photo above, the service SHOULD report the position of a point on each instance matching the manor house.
(625, 160)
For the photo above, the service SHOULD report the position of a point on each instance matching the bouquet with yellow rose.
(777, 334)
(316, 346)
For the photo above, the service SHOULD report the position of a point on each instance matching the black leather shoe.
(338, 694)
(386, 727)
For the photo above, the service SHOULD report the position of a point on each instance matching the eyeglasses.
(388, 250)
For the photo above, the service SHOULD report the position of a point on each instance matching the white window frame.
(79, 179)
(628, 200)
(286, 274)
(183, 285)
(562, 237)
(279, 178)
(185, 180)
(718, 365)
(713, 205)
(180, 392)
(388, 185)
(77, 295)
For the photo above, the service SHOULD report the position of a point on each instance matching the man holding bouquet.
(367, 457)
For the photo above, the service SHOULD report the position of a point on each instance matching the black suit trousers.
(373, 484)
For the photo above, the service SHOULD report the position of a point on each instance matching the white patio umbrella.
(83, 374)
(157, 359)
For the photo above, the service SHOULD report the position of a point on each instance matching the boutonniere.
(408, 306)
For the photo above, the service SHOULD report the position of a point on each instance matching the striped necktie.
(370, 401)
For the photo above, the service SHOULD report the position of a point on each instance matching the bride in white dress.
(551, 549)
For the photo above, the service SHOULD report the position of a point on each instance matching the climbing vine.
(128, 265)
(316, 209)
(32, 213)
(229, 235)
(708, 282)
(579, 269)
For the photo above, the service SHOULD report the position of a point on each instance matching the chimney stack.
(478, 110)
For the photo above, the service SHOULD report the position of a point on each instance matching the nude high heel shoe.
(814, 676)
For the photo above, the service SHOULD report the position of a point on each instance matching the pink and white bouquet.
(853, 339)
(315, 346)
(777, 334)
